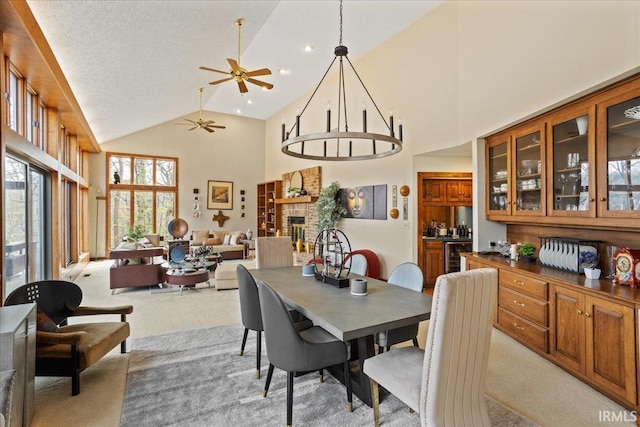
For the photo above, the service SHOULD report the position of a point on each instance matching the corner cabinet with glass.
(498, 203)
(619, 136)
(572, 159)
(528, 165)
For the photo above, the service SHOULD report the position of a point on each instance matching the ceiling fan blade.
(260, 72)
(193, 128)
(214, 70)
(243, 87)
(261, 83)
(234, 65)
(208, 122)
(218, 127)
(208, 129)
(215, 82)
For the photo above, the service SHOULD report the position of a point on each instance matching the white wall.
(459, 73)
(231, 154)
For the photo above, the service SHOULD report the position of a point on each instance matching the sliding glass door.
(25, 236)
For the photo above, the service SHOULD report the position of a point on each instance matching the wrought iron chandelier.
(342, 142)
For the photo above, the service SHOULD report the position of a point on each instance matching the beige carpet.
(517, 377)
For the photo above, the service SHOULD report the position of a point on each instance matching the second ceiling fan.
(239, 74)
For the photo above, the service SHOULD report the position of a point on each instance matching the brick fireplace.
(298, 214)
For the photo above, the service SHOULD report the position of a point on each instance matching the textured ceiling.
(134, 64)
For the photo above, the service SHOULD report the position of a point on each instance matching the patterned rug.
(197, 378)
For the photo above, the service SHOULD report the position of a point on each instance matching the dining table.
(350, 318)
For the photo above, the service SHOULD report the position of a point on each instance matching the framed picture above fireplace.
(220, 195)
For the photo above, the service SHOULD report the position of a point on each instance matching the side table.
(249, 245)
(186, 277)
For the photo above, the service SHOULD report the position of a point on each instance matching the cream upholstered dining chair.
(407, 275)
(274, 252)
(445, 381)
(357, 264)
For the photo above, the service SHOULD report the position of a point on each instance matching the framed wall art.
(220, 195)
(367, 202)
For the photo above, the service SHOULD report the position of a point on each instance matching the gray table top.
(343, 315)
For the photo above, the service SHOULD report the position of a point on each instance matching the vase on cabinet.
(592, 273)
(249, 234)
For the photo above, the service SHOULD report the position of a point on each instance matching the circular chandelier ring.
(360, 136)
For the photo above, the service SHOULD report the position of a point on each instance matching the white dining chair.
(358, 264)
(445, 382)
(407, 275)
(274, 252)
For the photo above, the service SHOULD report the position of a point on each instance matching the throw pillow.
(234, 239)
(210, 241)
(227, 239)
(197, 237)
(45, 323)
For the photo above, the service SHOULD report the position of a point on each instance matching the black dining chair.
(407, 275)
(250, 312)
(297, 351)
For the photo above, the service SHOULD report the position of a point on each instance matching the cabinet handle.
(592, 199)
(603, 199)
(518, 303)
(518, 326)
(518, 282)
(580, 312)
(587, 314)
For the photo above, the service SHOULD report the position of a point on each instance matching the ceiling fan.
(201, 124)
(239, 74)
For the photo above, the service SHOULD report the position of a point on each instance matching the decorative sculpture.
(221, 218)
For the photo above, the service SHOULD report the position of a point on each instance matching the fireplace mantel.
(301, 199)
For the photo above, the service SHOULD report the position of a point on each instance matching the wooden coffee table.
(186, 277)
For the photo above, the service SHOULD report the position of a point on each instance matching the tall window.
(143, 193)
(25, 219)
(12, 98)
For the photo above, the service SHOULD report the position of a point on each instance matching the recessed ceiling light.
(284, 71)
(308, 48)
(249, 101)
(239, 111)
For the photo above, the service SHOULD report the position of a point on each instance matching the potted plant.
(329, 210)
(589, 262)
(526, 252)
(135, 233)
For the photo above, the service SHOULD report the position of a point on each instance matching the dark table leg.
(361, 349)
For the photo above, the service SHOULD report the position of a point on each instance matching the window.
(142, 192)
(26, 213)
(13, 97)
(29, 119)
(42, 125)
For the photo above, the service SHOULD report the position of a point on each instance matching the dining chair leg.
(415, 342)
(268, 382)
(388, 347)
(347, 382)
(380, 349)
(258, 352)
(289, 399)
(375, 397)
(244, 341)
(321, 375)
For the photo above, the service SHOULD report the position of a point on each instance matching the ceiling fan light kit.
(356, 145)
(201, 124)
(237, 73)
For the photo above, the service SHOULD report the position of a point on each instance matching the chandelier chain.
(340, 43)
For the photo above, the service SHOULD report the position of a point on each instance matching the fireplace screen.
(296, 228)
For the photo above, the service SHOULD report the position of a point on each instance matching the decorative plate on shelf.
(633, 112)
(177, 254)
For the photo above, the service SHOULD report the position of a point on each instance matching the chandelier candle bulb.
(364, 120)
(298, 125)
(329, 119)
(391, 124)
(400, 129)
(283, 132)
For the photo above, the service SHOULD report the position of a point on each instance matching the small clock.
(624, 267)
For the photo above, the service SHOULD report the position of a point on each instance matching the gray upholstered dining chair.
(445, 381)
(297, 351)
(407, 275)
(274, 252)
(251, 314)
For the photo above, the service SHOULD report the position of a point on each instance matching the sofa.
(227, 243)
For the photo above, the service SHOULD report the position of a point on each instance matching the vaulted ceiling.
(135, 64)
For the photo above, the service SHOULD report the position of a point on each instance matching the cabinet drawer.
(523, 330)
(523, 284)
(524, 306)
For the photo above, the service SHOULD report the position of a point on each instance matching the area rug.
(197, 378)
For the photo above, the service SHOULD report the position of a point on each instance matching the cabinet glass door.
(528, 173)
(498, 190)
(623, 158)
(572, 162)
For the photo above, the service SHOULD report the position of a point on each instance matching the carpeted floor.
(197, 378)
